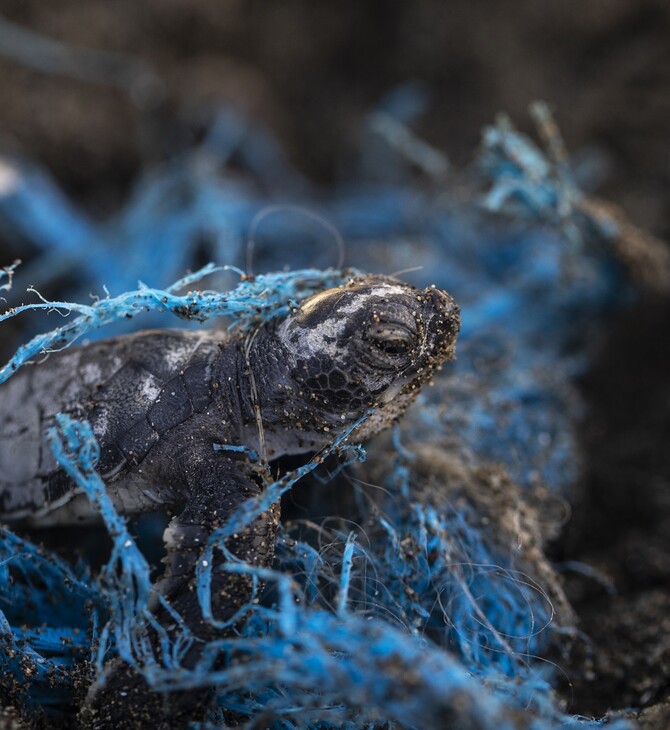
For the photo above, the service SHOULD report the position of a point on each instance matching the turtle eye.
(392, 344)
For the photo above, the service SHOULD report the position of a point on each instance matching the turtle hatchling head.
(370, 343)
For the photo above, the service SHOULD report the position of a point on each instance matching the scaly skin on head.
(370, 344)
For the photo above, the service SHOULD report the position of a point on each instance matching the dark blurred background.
(310, 71)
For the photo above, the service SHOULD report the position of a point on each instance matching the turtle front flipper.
(122, 698)
(213, 499)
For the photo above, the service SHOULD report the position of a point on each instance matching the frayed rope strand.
(7, 272)
(251, 302)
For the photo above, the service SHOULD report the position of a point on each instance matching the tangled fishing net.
(424, 599)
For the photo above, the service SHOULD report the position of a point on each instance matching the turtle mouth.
(392, 392)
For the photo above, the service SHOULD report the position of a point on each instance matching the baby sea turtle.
(158, 402)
